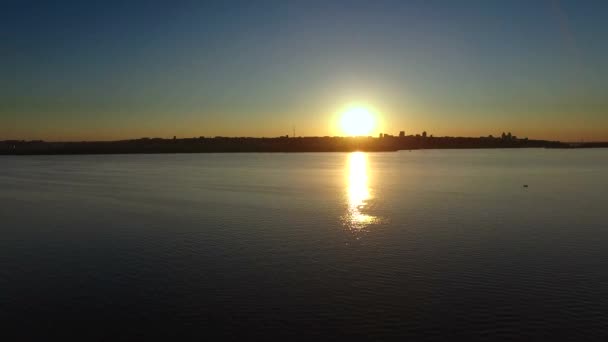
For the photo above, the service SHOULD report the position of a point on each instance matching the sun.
(357, 121)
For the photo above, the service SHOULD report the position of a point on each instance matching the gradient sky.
(85, 70)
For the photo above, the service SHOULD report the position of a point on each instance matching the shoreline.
(278, 145)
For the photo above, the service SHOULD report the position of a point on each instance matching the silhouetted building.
(402, 134)
(424, 134)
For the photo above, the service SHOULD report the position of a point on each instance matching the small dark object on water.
(525, 185)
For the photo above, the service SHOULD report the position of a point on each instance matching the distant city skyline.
(107, 71)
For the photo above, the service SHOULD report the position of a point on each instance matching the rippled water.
(422, 244)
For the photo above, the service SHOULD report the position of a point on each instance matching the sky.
(104, 70)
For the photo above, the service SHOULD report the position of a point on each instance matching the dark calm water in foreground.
(424, 244)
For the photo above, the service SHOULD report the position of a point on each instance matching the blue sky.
(109, 70)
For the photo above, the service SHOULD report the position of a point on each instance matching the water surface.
(421, 244)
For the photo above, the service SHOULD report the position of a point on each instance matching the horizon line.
(385, 135)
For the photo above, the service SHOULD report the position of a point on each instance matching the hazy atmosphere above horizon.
(78, 70)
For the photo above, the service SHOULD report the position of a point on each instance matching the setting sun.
(357, 121)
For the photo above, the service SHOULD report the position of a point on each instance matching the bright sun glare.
(357, 121)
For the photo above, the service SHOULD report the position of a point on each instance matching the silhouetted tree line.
(384, 142)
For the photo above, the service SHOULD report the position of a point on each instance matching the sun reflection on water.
(358, 192)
